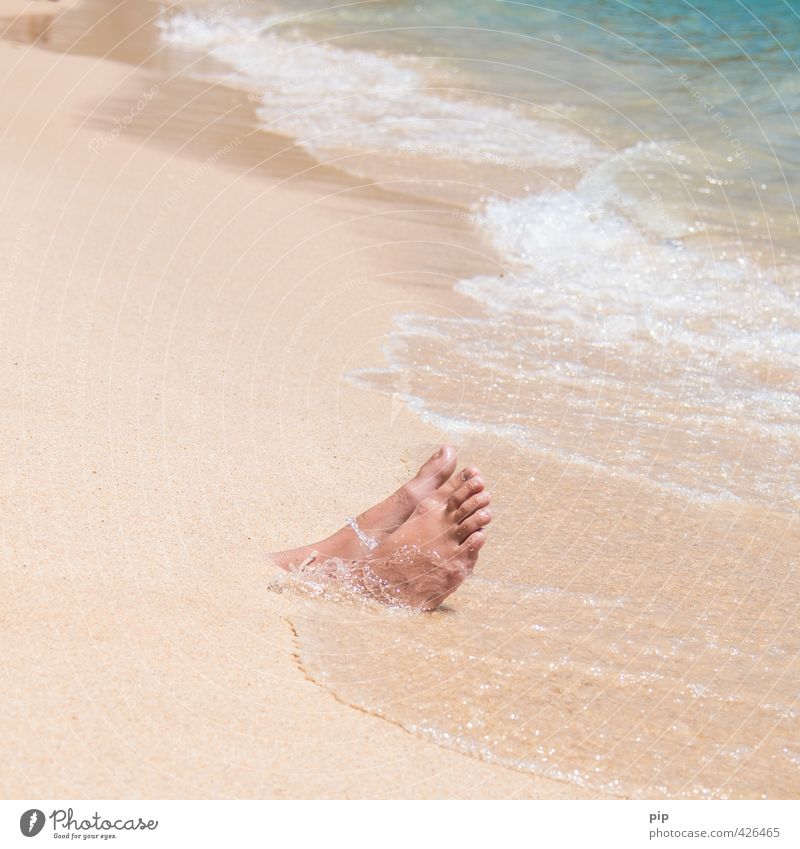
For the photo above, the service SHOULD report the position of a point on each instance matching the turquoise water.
(719, 79)
(716, 82)
(633, 166)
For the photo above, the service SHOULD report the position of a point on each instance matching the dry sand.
(179, 309)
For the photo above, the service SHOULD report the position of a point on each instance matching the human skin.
(428, 533)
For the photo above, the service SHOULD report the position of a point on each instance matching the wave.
(620, 347)
(330, 99)
(610, 317)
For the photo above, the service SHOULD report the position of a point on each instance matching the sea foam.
(329, 99)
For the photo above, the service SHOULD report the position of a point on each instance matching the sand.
(179, 308)
(183, 297)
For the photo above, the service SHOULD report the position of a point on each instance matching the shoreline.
(192, 294)
(151, 400)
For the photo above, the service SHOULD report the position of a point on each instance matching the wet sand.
(184, 298)
(176, 329)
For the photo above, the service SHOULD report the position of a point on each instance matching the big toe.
(435, 471)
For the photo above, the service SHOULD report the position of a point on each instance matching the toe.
(475, 502)
(437, 469)
(434, 472)
(470, 487)
(446, 490)
(473, 523)
(468, 551)
(474, 542)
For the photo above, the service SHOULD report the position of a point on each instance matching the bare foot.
(425, 560)
(428, 557)
(384, 518)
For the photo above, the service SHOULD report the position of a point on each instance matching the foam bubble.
(606, 346)
(328, 99)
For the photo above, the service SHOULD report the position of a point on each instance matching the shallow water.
(602, 692)
(650, 276)
(630, 642)
(628, 377)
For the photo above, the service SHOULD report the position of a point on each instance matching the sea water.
(651, 279)
(629, 374)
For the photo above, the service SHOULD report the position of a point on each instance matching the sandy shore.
(183, 297)
(179, 309)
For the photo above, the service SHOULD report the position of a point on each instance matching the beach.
(160, 440)
(219, 342)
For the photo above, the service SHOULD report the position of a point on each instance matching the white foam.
(328, 98)
(209, 30)
(599, 320)
(602, 268)
(572, 256)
